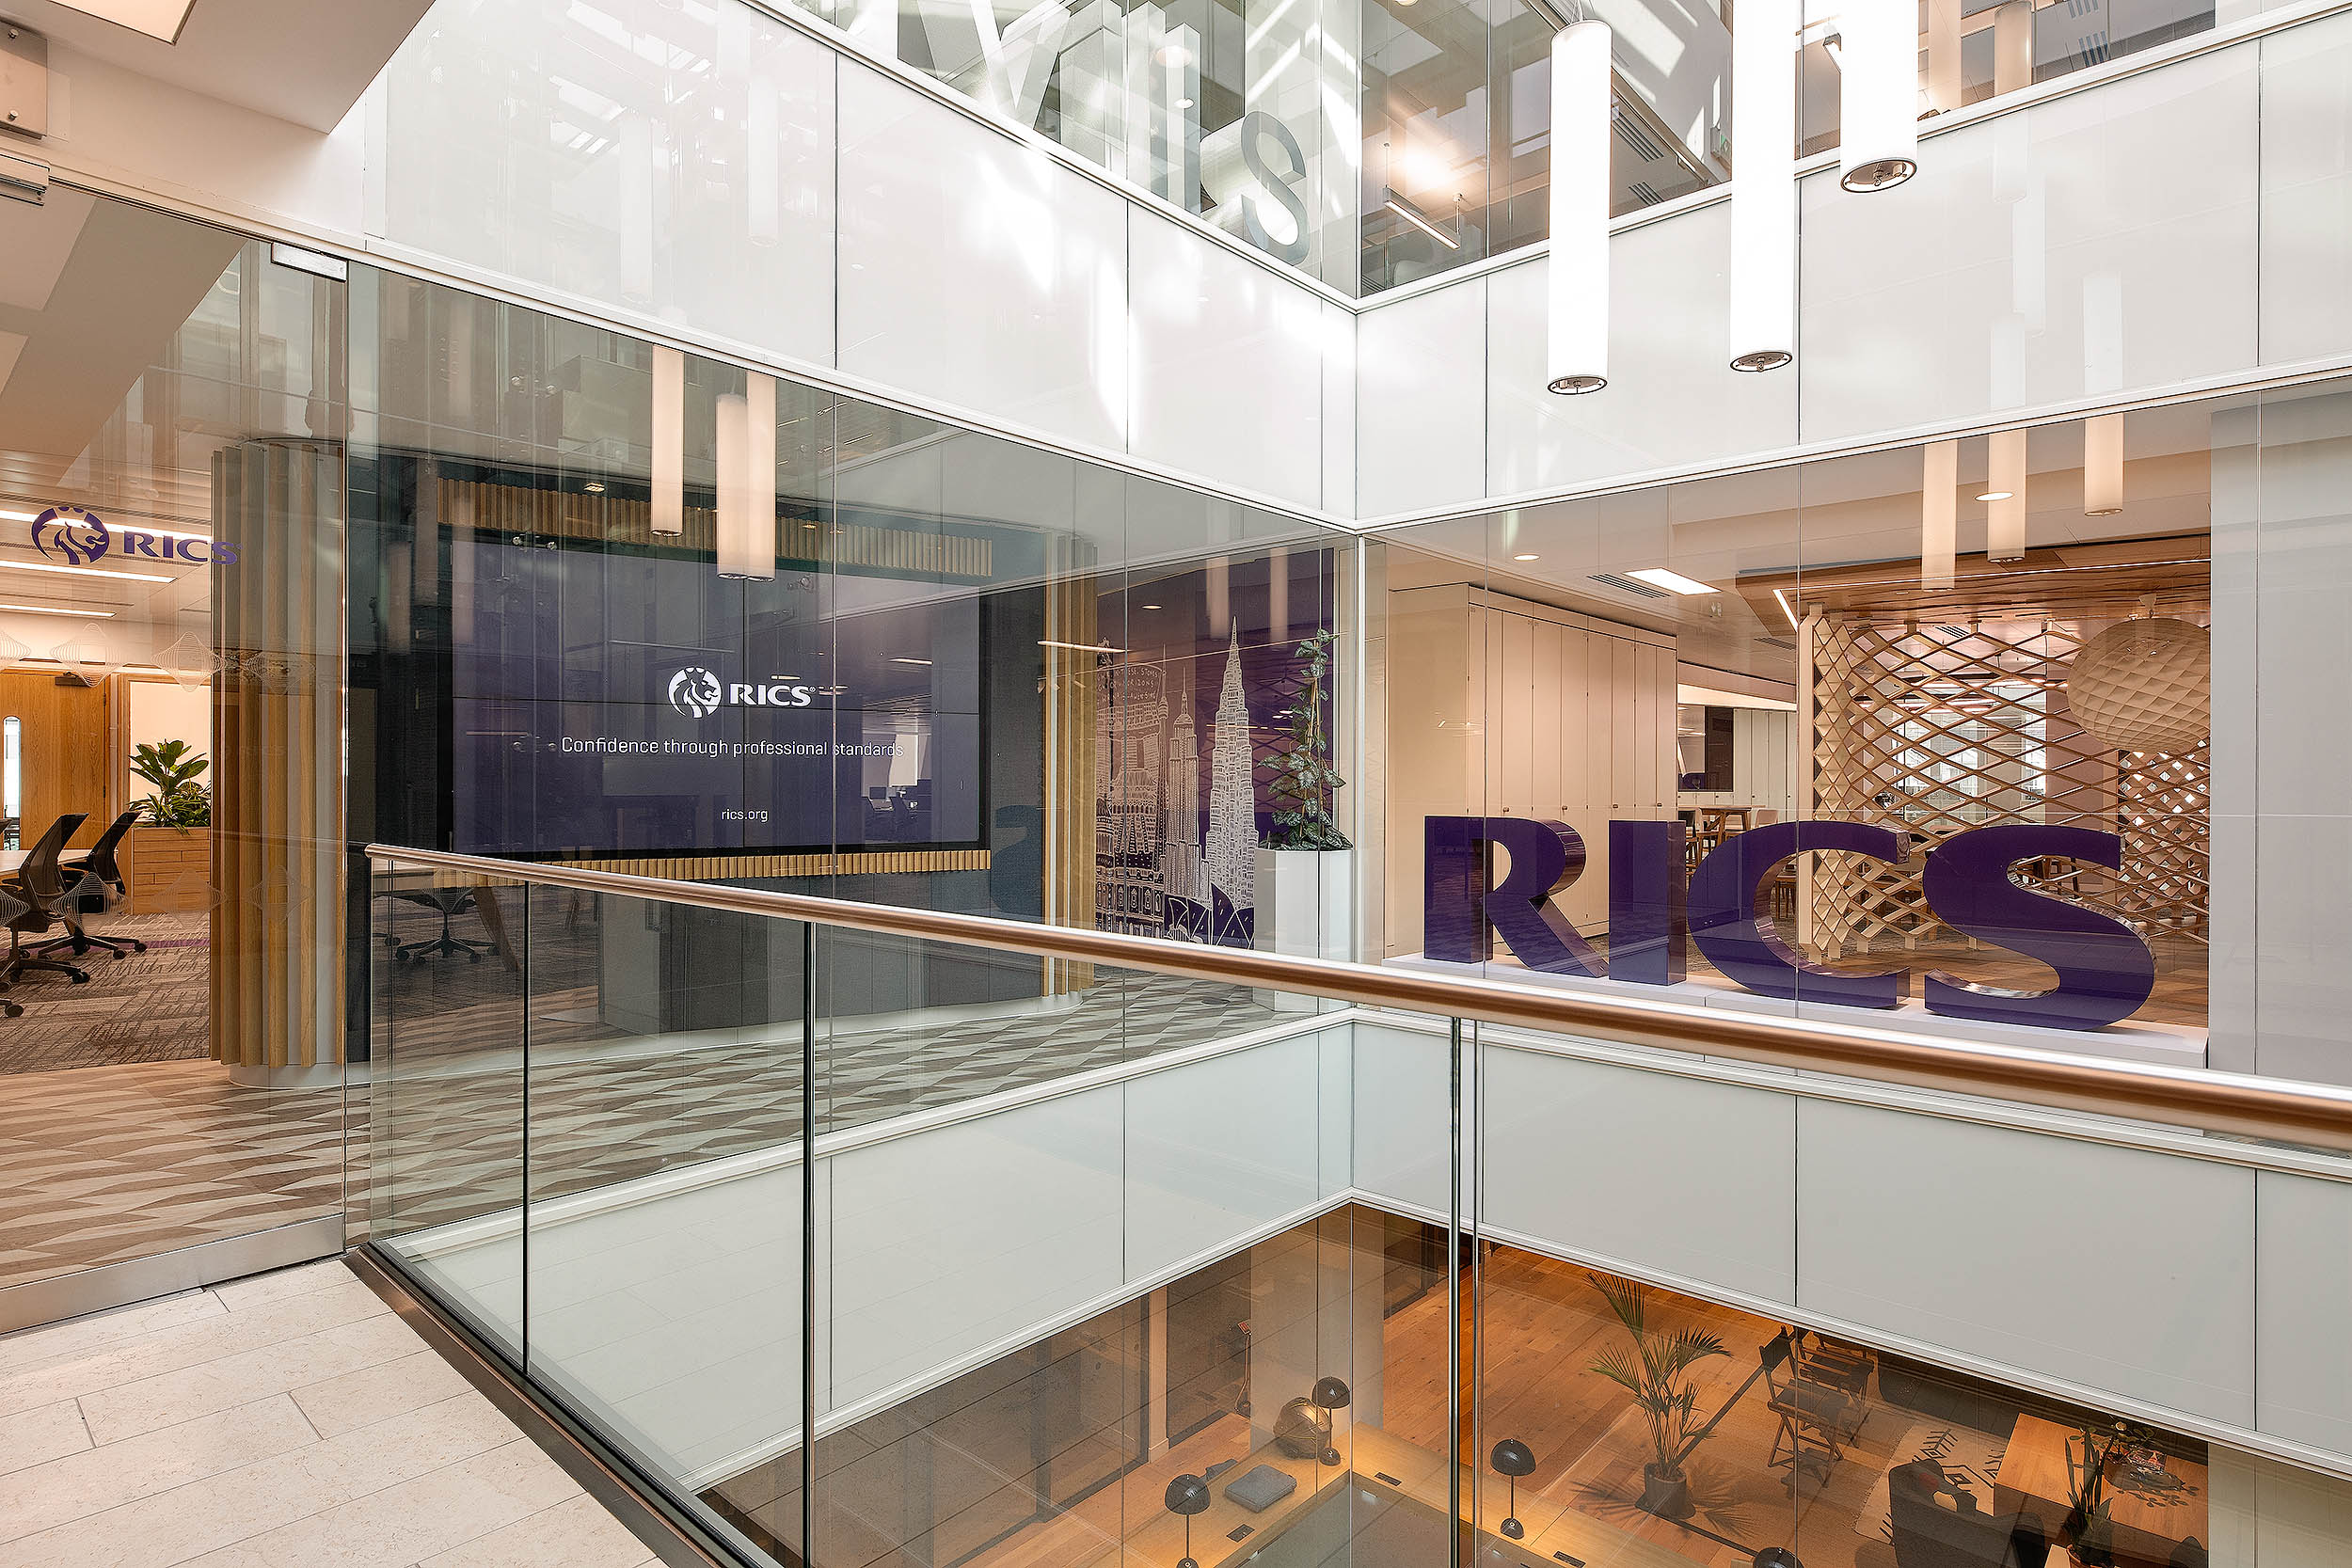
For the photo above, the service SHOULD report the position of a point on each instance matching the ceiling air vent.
(1628, 585)
(1956, 631)
(1776, 642)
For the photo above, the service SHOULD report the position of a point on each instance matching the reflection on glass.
(1994, 646)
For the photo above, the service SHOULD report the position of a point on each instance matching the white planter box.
(1306, 909)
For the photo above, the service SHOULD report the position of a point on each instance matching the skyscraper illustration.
(1233, 847)
(1184, 875)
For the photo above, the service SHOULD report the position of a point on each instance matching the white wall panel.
(1675, 1174)
(1401, 1115)
(1960, 293)
(1228, 364)
(2306, 190)
(2108, 1267)
(2304, 1264)
(1339, 410)
(943, 1242)
(1671, 397)
(1218, 1147)
(617, 171)
(1421, 408)
(977, 272)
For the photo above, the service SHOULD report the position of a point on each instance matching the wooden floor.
(1543, 1327)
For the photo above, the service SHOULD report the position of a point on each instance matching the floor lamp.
(1188, 1494)
(1514, 1459)
(1327, 1395)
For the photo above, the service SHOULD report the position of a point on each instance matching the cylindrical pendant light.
(1576, 356)
(2102, 466)
(747, 473)
(2012, 47)
(1764, 186)
(735, 501)
(1877, 93)
(669, 441)
(1939, 507)
(2005, 513)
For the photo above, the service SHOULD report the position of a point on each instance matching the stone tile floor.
(287, 1420)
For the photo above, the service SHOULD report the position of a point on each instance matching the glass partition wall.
(171, 556)
(1947, 735)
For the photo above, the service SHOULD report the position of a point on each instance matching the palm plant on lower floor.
(1655, 1367)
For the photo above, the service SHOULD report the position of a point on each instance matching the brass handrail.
(2210, 1101)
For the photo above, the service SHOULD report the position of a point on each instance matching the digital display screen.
(605, 705)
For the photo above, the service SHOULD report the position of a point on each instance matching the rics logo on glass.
(70, 534)
(694, 692)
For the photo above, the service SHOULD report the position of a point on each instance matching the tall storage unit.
(1504, 707)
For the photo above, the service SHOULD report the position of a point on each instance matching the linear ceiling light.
(157, 19)
(1412, 214)
(1764, 188)
(81, 571)
(1673, 582)
(1939, 507)
(1576, 356)
(1877, 93)
(2005, 517)
(38, 609)
(1080, 647)
(669, 440)
(1780, 596)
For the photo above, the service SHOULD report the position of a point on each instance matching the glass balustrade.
(1063, 1261)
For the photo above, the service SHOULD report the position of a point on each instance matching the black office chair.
(42, 885)
(11, 907)
(99, 876)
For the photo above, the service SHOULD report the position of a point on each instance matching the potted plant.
(1305, 888)
(169, 866)
(1656, 1370)
(171, 770)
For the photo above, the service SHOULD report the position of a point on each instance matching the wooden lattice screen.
(1933, 729)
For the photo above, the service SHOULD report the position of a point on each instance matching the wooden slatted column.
(278, 794)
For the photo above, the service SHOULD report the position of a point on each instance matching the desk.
(2037, 1481)
(12, 861)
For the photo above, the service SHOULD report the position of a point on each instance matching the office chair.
(11, 907)
(40, 885)
(99, 876)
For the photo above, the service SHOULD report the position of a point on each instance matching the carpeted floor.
(151, 1006)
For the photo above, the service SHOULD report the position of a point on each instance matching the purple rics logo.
(75, 536)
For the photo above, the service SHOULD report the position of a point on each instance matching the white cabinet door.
(1543, 735)
(1486, 646)
(1626, 798)
(1645, 795)
(1583, 744)
(1515, 712)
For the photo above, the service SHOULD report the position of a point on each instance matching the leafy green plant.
(1305, 781)
(171, 770)
(1656, 1370)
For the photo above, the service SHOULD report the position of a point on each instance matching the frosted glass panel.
(674, 163)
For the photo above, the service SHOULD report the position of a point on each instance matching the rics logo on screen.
(694, 691)
(698, 693)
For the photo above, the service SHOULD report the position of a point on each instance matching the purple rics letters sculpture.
(2105, 970)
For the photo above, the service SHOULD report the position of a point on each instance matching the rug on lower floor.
(1971, 1461)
